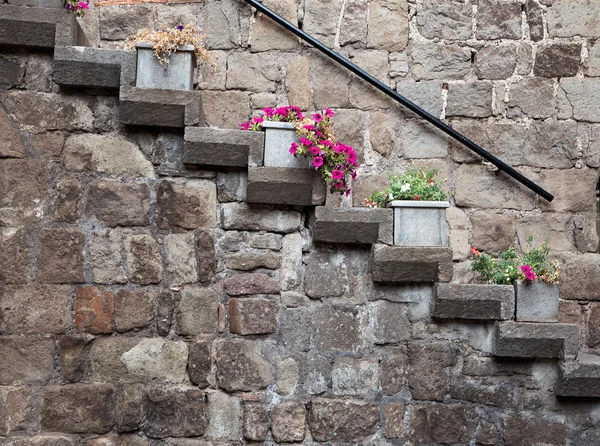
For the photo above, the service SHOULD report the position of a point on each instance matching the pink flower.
(417, 198)
(293, 148)
(268, 111)
(353, 175)
(326, 142)
(329, 113)
(529, 274)
(317, 161)
(348, 191)
(318, 117)
(351, 155)
(337, 174)
(314, 150)
(309, 127)
(305, 142)
(340, 148)
(258, 120)
(83, 5)
(283, 111)
(338, 185)
(245, 125)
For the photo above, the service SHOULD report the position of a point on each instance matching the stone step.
(160, 108)
(27, 27)
(353, 225)
(282, 185)
(76, 66)
(474, 302)
(535, 340)
(205, 146)
(410, 264)
(579, 378)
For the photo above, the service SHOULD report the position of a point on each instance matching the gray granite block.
(352, 225)
(478, 302)
(407, 264)
(579, 378)
(280, 185)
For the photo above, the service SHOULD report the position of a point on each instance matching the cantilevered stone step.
(579, 378)
(353, 225)
(205, 146)
(536, 340)
(282, 185)
(77, 66)
(474, 302)
(160, 108)
(26, 27)
(407, 264)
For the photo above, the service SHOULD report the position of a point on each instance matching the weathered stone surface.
(143, 360)
(394, 420)
(485, 302)
(288, 374)
(391, 324)
(339, 329)
(326, 275)
(498, 20)
(12, 145)
(412, 264)
(129, 413)
(470, 100)
(393, 370)
(74, 351)
(572, 186)
(503, 394)
(78, 408)
(231, 186)
(557, 60)
(61, 256)
(180, 259)
(593, 325)
(14, 258)
(164, 312)
(316, 374)
(533, 97)
(363, 96)
(189, 206)
(321, 19)
(11, 73)
(15, 409)
(355, 225)
(225, 109)
(550, 144)
(244, 284)
(525, 58)
(426, 94)
(197, 312)
(296, 327)
(388, 25)
(281, 185)
(354, 22)
(243, 217)
(438, 61)
(578, 98)
(248, 261)
(107, 154)
(134, 309)
(252, 316)
(290, 272)
(553, 227)
(42, 440)
(573, 269)
(94, 308)
(568, 18)
(221, 147)
(355, 377)
(535, 340)
(106, 259)
(535, 19)
(175, 413)
(420, 140)
(496, 62)
(144, 259)
(580, 378)
(297, 82)
(440, 423)
(119, 23)
(26, 360)
(329, 81)
(255, 72)
(220, 16)
(493, 232)
(267, 35)
(591, 65)
(288, 422)
(118, 204)
(445, 20)
(199, 363)
(519, 430)
(225, 415)
(436, 358)
(256, 426)
(382, 135)
(67, 201)
(241, 367)
(342, 420)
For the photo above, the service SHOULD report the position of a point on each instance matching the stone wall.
(146, 304)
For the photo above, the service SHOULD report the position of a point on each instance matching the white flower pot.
(279, 136)
(536, 301)
(420, 223)
(178, 75)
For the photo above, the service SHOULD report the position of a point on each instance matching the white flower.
(391, 197)
(405, 187)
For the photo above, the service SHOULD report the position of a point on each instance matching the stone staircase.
(79, 66)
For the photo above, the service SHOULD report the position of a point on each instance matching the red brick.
(94, 309)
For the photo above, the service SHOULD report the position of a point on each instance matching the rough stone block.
(226, 109)
(118, 204)
(267, 35)
(42, 440)
(569, 18)
(401, 264)
(441, 424)
(26, 360)
(437, 358)
(498, 20)
(160, 108)
(144, 259)
(225, 415)
(578, 98)
(175, 413)
(340, 329)
(533, 97)
(129, 413)
(388, 25)
(221, 147)
(78, 408)
(94, 308)
(248, 261)
(535, 340)
(240, 216)
(355, 377)
(342, 420)
(35, 308)
(12, 144)
(189, 205)
(557, 60)
(356, 225)
(390, 321)
(296, 327)
(67, 202)
(496, 62)
(256, 421)
(394, 419)
(240, 366)
(61, 256)
(443, 20)
(197, 312)
(280, 185)
(579, 378)
(245, 284)
(288, 422)
(14, 258)
(252, 316)
(536, 301)
(473, 100)
(74, 351)
(180, 258)
(106, 259)
(134, 309)
(15, 409)
(393, 370)
(519, 429)
(199, 364)
(438, 61)
(479, 302)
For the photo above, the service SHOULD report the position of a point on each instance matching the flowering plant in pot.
(310, 143)
(77, 7)
(419, 203)
(533, 276)
(167, 57)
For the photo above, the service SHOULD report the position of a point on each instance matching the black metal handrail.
(401, 99)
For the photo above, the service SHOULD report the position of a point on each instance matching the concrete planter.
(536, 301)
(178, 75)
(54, 4)
(420, 223)
(279, 136)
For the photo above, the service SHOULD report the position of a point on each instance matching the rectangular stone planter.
(178, 75)
(420, 223)
(536, 301)
(279, 136)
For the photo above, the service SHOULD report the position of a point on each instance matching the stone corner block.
(579, 378)
(280, 185)
(353, 225)
(400, 264)
(479, 302)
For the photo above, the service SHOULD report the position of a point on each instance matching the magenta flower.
(268, 111)
(83, 5)
(309, 127)
(338, 185)
(353, 172)
(351, 155)
(529, 274)
(258, 120)
(245, 125)
(340, 148)
(348, 191)
(283, 111)
(337, 174)
(318, 117)
(314, 150)
(294, 148)
(329, 113)
(326, 142)
(305, 142)
(317, 161)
